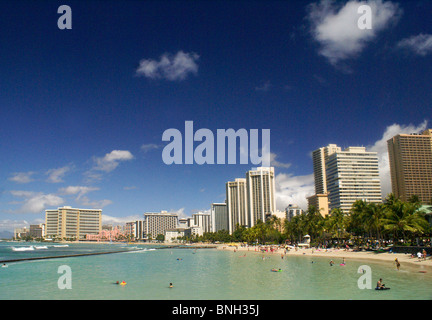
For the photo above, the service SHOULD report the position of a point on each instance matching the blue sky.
(82, 111)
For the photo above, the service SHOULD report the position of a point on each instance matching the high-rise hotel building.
(319, 157)
(250, 199)
(68, 222)
(352, 174)
(156, 223)
(260, 184)
(410, 158)
(236, 197)
(219, 217)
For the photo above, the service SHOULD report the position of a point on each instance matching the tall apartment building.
(202, 220)
(260, 184)
(319, 158)
(352, 175)
(237, 209)
(156, 223)
(68, 222)
(410, 158)
(219, 217)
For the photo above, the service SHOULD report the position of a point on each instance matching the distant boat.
(23, 248)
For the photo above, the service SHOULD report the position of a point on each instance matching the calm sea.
(202, 274)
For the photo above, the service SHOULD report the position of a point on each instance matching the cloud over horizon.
(35, 202)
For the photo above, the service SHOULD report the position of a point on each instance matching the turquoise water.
(204, 274)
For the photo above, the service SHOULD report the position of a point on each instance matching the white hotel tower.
(352, 174)
(260, 185)
(236, 204)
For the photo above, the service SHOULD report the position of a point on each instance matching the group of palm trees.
(393, 221)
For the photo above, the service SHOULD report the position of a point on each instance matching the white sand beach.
(337, 255)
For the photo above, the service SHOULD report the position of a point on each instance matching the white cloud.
(150, 146)
(264, 87)
(278, 164)
(380, 147)
(129, 188)
(169, 67)
(22, 177)
(78, 190)
(420, 44)
(292, 189)
(10, 225)
(108, 163)
(180, 212)
(336, 29)
(99, 204)
(56, 175)
(120, 221)
(36, 202)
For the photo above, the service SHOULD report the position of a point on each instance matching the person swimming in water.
(171, 285)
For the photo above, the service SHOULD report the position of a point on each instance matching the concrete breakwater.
(100, 253)
(65, 256)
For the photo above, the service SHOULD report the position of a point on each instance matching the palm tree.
(372, 216)
(313, 223)
(335, 222)
(403, 218)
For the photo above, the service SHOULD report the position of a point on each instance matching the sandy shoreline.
(337, 255)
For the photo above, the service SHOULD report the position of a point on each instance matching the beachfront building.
(72, 223)
(352, 174)
(202, 220)
(156, 223)
(174, 235)
(410, 158)
(292, 210)
(219, 217)
(261, 200)
(130, 230)
(319, 159)
(20, 233)
(236, 198)
(37, 230)
(107, 234)
(320, 202)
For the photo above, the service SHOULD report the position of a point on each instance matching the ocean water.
(202, 274)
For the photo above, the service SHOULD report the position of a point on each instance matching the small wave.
(31, 248)
(61, 245)
(41, 247)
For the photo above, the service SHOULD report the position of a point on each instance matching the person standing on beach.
(424, 254)
(397, 264)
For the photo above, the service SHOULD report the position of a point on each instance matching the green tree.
(403, 219)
